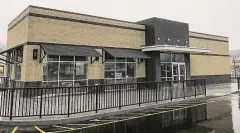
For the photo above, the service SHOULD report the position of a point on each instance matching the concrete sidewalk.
(221, 89)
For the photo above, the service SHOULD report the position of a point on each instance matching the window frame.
(73, 80)
(115, 61)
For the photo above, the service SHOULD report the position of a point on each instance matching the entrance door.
(178, 71)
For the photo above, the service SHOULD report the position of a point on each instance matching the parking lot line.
(64, 127)
(141, 115)
(14, 129)
(79, 124)
(40, 130)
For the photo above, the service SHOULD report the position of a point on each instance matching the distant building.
(59, 48)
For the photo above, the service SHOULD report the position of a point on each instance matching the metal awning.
(69, 50)
(126, 53)
(12, 48)
(173, 48)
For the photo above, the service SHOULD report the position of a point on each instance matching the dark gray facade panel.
(212, 79)
(95, 81)
(158, 31)
(153, 67)
(32, 84)
(141, 79)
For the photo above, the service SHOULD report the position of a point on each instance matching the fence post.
(40, 115)
(97, 89)
(68, 101)
(238, 83)
(171, 89)
(11, 105)
(205, 87)
(194, 83)
(139, 94)
(120, 96)
(156, 86)
(184, 95)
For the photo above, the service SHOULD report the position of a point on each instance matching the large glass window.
(119, 70)
(14, 70)
(166, 60)
(64, 71)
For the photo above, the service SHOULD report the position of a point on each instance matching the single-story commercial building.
(48, 47)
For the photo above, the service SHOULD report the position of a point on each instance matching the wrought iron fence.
(26, 102)
(238, 82)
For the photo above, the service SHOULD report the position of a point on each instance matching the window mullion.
(73, 71)
(58, 69)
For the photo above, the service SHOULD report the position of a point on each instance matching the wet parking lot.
(213, 115)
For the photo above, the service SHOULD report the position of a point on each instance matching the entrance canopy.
(126, 53)
(69, 50)
(174, 48)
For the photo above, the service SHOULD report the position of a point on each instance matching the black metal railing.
(26, 102)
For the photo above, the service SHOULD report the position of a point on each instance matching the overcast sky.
(221, 17)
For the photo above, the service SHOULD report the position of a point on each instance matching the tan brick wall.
(95, 69)
(18, 34)
(216, 47)
(57, 31)
(83, 17)
(31, 69)
(209, 65)
(19, 17)
(140, 70)
(206, 64)
(208, 36)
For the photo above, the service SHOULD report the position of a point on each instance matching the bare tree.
(2, 46)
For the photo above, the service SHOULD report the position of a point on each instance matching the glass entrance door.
(178, 71)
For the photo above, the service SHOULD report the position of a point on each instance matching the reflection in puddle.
(154, 123)
(218, 117)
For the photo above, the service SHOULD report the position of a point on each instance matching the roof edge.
(18, 15)
(209, 34)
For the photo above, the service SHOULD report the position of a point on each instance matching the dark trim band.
(204, 38)
(211, 54)
(83, 21)
(213, 79)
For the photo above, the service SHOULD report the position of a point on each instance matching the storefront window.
(18, 72)
(65, 71)
(166, 60)
(120, 70)
(14, 69)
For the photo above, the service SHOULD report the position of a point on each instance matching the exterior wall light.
(35, 54)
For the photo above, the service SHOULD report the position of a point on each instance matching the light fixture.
(35, 54)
